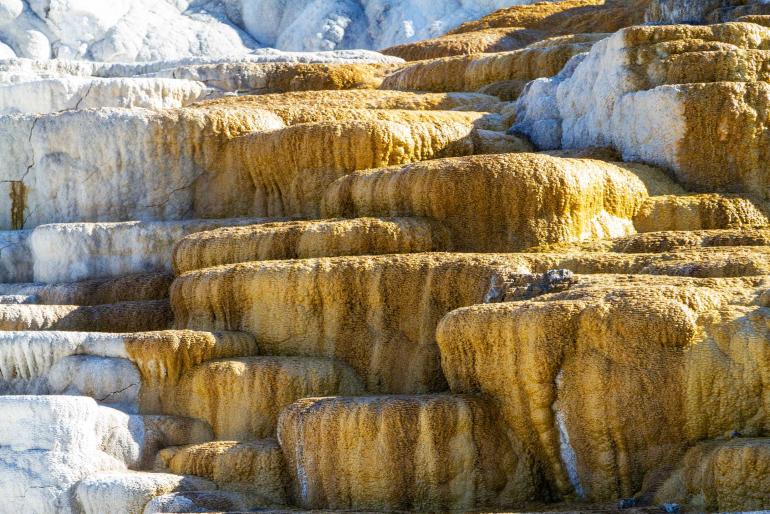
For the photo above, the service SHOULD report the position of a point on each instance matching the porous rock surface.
(526, 271)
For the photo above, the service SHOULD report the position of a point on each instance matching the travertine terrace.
(523, 266)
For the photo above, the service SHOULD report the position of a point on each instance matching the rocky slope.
(150, 30)
(524, 265)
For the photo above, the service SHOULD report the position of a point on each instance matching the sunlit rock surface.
(138, 30)
(519, 261)
(464, 463)
(697, 95)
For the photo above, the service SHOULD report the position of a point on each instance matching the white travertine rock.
(135, 30)
(20, 69)
(52, 365)
(6, 52)
(76, 251)
(120, 164)
(15, 255)
(328, 24)
(588, 103)
(59, 94)
(611, 98)
(202, 501)
(128, 493)
(27, 358)
(49, 443)
(114, 382)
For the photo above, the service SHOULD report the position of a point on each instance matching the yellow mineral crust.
(750, 11)
(423, 453)
(365, 99)
(519, 26)
(481, 41)
(506, 90)
(471, 72)
(241, 398)
(726, 144)
(283, 77)
(164, 431)
(143, 286)
(500, 202)
(759, 19)
(290, 168)
(163, 357)
(658, 242)
(256, 467)
(307, 239)
(565, 17)
(698, 212)
(613, 379)
(722, 476)
(378, 314)
(198, 136)
(117, 317)
(294, 114)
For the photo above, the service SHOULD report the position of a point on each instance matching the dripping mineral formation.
(514, 261)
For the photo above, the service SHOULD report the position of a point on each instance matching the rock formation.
(523, 265)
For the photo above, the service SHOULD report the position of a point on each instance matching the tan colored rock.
(481, 41)
(256, 467)
(698, 212)
(506, 90)
(565, 17)
(377, 313)
(425, 453)
(293, 114)
(308, 239)
(263, 78)
(241, 398)
(523, 25)
(117, 317)
(163, 357)
(722, 476)
(481, 198)
(290, 168)
(367, 99)
(370, 312)
(657, 242)
(145, 286)
(682, 358)
(471, 72)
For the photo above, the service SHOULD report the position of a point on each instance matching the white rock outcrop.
(146, 30)
(120, 164)
(63, 440)
(58, 94)
(692, 99)
(68, 252)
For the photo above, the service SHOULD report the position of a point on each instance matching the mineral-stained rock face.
(306, 239)
(414, 464)
(344, 308)
(155, 175)
(528, 270)
(469, 73)
(721, 475)
(241, 399)
(696, 94)
(560, 351)
(577, 198)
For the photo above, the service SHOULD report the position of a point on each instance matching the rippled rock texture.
(520, 263)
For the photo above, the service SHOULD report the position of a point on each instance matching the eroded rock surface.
(527, 270)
